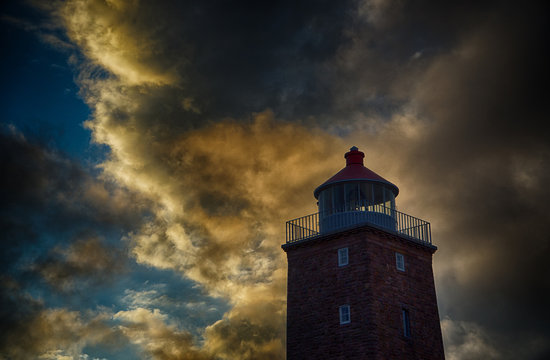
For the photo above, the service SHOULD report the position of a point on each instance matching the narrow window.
(406, 323)
(343, 256)
(400, 261)
(344, 314)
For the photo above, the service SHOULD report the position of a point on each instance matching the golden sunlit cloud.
(59, 334)
(107, 34)
(220, 196)
(149, 330)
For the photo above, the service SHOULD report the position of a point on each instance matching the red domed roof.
(355, 171)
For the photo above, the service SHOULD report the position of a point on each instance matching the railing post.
(288, 225)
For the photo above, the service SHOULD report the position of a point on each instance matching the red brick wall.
(376, 292)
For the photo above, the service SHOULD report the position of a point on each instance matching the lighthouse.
(360, 278)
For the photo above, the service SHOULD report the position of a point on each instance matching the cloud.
(216, 198)
(226, 179)
(222, 120)
(467, 341)
(85, 262)
(31, 331)
(158, 339)
(46, 192)
(45, 30)
(442, 132)
(226, 232)
(106, 33)
(254, 328)
(46, 180)
(473, 156)
(188, 308)
(58, 222)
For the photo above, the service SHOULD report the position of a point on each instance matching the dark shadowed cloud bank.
(218, 119)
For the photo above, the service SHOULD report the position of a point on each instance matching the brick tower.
(360, 280)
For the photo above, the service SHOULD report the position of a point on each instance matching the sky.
(152, 151)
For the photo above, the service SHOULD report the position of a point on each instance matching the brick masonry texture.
(375, 291)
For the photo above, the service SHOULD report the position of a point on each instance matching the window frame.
(341, 251)
(344, 310)
(400, 261)
(406, 322)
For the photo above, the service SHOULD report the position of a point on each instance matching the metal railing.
(381, 216)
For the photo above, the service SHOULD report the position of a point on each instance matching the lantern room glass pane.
(338, 197)
(378, 194)
(366, 191)
(325, 201)
(352, 196)
(389, 198)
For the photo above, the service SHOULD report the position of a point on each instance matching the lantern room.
(354, 195)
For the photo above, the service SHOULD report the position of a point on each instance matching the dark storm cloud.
(50, 208)
(54, 213)
(225, 58)
(44, 182)
(33, 177)
(325, 59)
(16, 310)
(86, 262)
(43, 191)
(299, 58)
(267, 52)
(484, 169)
